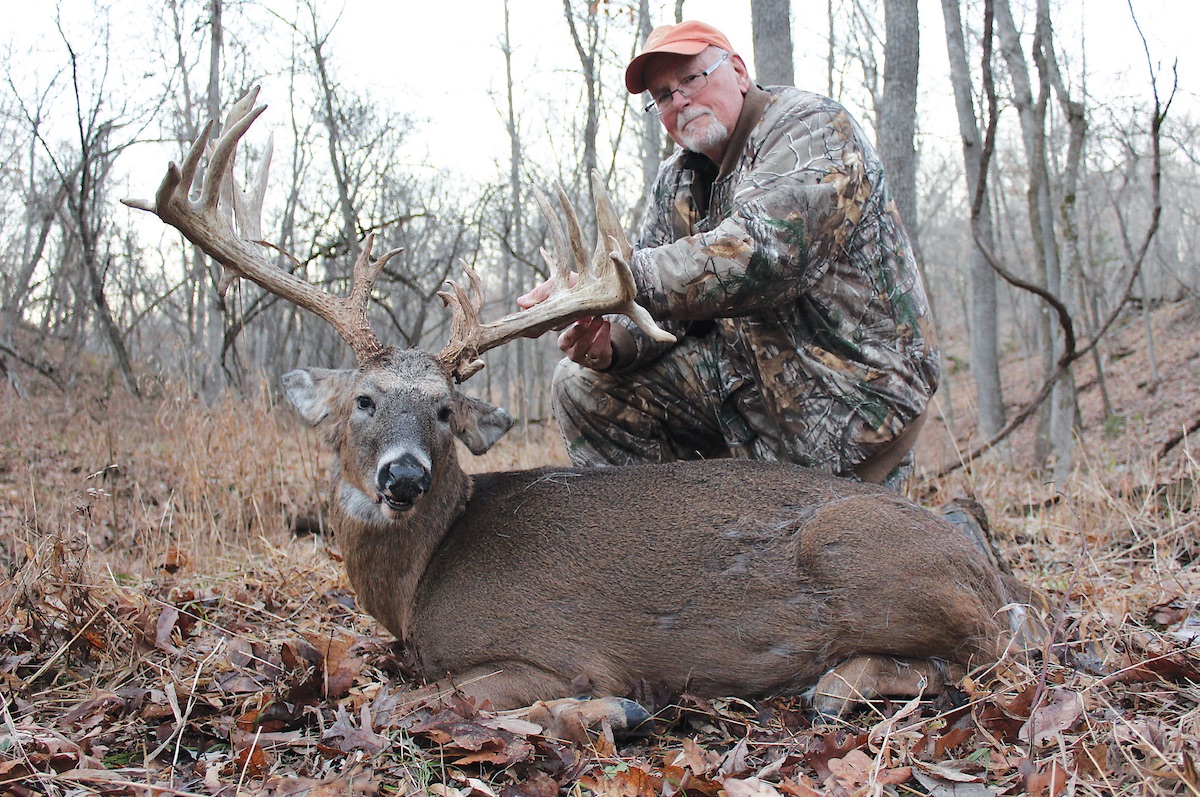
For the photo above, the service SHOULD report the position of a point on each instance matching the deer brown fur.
(720, 577)
(724, 577)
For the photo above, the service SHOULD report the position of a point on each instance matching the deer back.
(722, 577)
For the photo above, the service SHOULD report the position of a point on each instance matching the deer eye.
(444, 414)
(365, 404)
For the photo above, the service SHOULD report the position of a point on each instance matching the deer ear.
(313, 391)
(478, 424)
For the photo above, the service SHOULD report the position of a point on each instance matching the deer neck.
(386, 557)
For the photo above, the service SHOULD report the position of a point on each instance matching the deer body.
(720, 577)
(786, 574)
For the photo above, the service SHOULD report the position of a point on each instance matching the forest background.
(1042, 155)
(429, 128)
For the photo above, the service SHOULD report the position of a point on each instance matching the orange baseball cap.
(686, 38)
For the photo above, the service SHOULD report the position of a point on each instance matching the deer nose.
(402, 481)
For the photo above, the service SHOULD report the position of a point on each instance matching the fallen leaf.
(825, 747)
(167, 619)
(1090, 760)
(679, 780)
(1048, 781)
(1059, 713)
(852, 770)
(339, 666)
(173, 559)
(631, 782)
(695, 758)
(749, 787)
(734, 762)
(801, 786)
(535, 784)
(251, 760)
(937, 787)
(945, 772)
(894, 776)
(950, 740)
(355, 737)
(472, 742)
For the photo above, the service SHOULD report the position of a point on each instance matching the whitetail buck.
(719, 577)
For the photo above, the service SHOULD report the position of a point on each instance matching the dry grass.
(163, 631)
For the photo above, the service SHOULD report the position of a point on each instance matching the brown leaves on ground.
(192, 688)
(160, 630)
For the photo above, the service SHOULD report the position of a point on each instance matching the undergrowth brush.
(168, 626)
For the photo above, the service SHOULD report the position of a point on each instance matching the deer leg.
(867, 677)
(571, 718)
(515, 687)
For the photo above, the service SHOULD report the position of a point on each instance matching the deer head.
(391, 419)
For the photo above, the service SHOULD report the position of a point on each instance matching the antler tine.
(606, 286)
(248, 202)
(461, 352)
(209, 226)
(241, 116)
(574, 233)
(608, 225)
(559, 263)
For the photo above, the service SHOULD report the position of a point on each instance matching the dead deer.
(726, 577)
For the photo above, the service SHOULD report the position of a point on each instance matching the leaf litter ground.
(164, 632)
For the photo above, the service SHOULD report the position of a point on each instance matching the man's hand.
(587, 341)
(541, 292)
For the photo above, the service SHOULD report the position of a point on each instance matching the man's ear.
(313, 391)
(742, 73)
(478, 424)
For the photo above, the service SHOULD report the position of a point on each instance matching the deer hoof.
(573, 718)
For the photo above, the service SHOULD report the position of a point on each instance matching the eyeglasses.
(688, 87)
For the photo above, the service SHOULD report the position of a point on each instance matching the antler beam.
(583, 287)
(207, 223)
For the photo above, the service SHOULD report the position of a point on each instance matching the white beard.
(713, 135)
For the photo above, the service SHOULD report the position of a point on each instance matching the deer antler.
(604, 285)
(207, 223)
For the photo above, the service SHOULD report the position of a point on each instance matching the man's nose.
(679, 101)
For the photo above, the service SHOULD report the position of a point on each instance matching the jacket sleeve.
(795, 202)
(631, 346)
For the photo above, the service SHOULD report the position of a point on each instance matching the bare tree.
(983, 318)
(772, 31)
(896, 130)
(587, 48)
(1072, 350)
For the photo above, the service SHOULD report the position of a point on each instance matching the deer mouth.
(396, 504)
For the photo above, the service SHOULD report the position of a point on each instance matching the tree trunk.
(831, 47)
(896, 129)
(773, 60)
(516, 352)
(1066, 409)
(587, 51)
(984, 329)
(651, 128)
(215, 310)
(1031, 112)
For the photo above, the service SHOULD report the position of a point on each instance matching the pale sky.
(451, 81)
(440, 60)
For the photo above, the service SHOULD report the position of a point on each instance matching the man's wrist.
(624, 349)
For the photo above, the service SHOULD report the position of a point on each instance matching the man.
(773, 250)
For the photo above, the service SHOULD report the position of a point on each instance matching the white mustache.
(692, 113)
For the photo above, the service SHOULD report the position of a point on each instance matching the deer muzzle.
(401, 482)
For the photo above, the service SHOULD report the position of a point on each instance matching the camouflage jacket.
(801, 264)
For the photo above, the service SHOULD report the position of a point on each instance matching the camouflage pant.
(687, 404)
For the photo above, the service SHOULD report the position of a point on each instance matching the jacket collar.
(753, 108)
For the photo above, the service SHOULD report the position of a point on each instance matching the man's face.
(704, 121)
